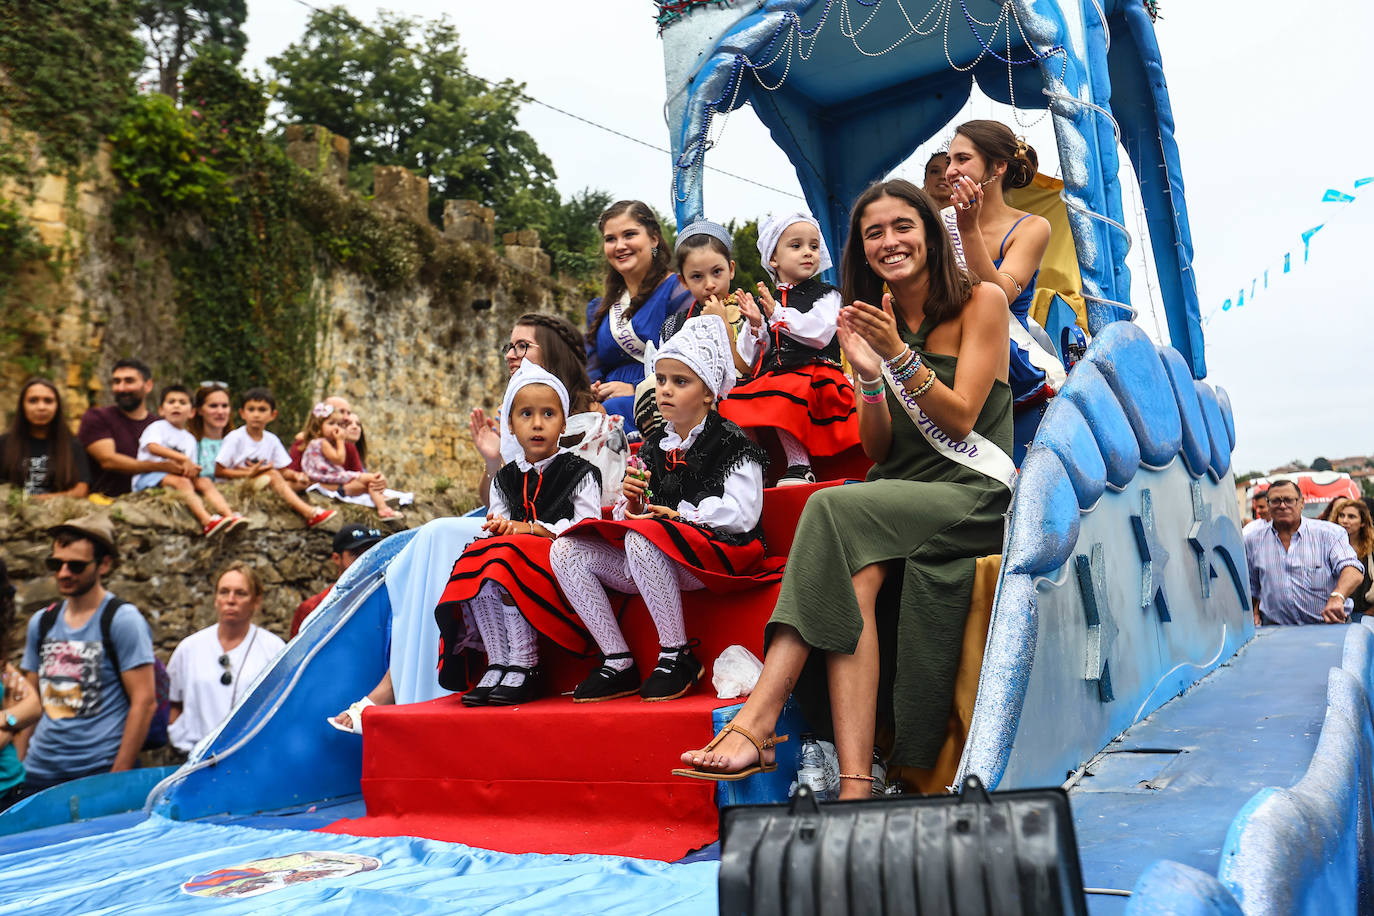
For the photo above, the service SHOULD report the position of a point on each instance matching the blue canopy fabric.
(144, 867)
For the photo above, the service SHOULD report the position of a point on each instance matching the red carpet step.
(550, 777)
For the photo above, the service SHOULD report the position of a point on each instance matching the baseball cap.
(356, 538)
(95, 526)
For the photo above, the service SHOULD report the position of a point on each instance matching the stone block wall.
(166, 566)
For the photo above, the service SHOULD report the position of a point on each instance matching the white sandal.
(355, 713)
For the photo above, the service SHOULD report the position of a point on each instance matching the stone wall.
(166, 565)
(412, 362)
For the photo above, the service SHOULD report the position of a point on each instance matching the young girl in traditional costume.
(798, 389)
(688, 520)
(502, 578)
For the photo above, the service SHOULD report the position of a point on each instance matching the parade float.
(1211, 768)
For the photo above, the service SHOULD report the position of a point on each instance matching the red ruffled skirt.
(519, 563)
(815, 403)
(721, 567)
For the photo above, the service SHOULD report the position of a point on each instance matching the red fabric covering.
(549, 777)
(721, 567)
(815, 403)
(518, 563)
(304, 610)
(555, 776)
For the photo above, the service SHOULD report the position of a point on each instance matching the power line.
(352, 23)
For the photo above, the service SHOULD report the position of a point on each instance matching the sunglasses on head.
(213, 383)
(76, 566)
(227, 677)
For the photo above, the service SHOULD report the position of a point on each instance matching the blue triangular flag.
(1337, 197)
(1307, 241)
(1287, 262)
(1241, 300)
(1266, 279)
(1253, 284)
(1361, 182)
(1226, 306)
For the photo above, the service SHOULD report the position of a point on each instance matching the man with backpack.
(90, 659)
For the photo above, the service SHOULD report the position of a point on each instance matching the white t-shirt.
(239, 448)
(167, 436)
(195, 673)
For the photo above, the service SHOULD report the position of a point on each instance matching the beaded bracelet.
(900, 361)
(901, 376)
(926, 385)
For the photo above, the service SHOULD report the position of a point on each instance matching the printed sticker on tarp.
(262, 876)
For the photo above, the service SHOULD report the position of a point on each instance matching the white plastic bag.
(735, 673)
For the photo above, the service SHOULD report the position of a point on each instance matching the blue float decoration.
(1091, 571)
(1153, 558)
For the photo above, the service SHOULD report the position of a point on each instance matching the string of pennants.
(1261, 281)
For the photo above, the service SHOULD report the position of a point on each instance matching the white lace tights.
(587, 566)
(793, 449)
(508, 636)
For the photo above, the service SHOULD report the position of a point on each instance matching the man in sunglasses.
(92, 671)
(1301, 570)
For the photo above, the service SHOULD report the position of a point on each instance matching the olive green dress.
(931, 518)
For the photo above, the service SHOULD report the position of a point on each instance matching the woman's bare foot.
(734, 753)
(344, 720)
(388, 512)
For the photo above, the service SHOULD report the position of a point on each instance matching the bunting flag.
(1261, 279)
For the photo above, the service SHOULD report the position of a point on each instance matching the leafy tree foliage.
(399, 91)
(748, 269)
(177, 31)
(67, 72)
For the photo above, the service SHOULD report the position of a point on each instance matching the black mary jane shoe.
(606, 683)
(797, 475)
(478, 696)
(505, 695)
(674, 675)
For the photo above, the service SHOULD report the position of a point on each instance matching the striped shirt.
(1294, 585)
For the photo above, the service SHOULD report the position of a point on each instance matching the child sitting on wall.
(169, 439)
(325, 454)
(254, 451)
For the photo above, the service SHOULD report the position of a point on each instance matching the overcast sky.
(1271, 106)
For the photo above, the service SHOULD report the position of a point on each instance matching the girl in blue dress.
(641, 291)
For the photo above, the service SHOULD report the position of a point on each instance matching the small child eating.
(325, 454)
(170, 440)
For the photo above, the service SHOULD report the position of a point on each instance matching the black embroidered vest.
(786, 353)
(550, 493)
(701, 471)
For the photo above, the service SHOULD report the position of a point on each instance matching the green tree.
(177, 31)
(748, 270)
(399, 91)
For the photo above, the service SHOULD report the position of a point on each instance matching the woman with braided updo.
(1003, 245)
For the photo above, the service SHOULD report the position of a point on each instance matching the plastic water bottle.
(815, 772)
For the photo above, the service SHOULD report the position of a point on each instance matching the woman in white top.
(212, 669)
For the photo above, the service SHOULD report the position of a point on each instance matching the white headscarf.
(772, 230)
(703, 345)
(530, 374)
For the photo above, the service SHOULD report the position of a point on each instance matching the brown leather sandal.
(761, 767)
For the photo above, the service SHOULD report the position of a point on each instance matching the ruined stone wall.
(412, 362)
(166, 565)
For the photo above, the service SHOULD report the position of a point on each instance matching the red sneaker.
(321, 517)
(217, 525)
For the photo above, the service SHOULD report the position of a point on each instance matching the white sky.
(1270, 105)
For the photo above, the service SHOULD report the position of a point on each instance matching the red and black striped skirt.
(815, 403)
(721, 566)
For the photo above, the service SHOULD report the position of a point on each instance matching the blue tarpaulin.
(143, 868)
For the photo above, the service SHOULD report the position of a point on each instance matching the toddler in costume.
(502, 579)
(798, 389)
(689, 519)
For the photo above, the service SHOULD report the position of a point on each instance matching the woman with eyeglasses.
(39, 452)
(213, 668)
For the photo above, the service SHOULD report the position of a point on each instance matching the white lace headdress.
(772, 230)
(530, 374)
(704, 345)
